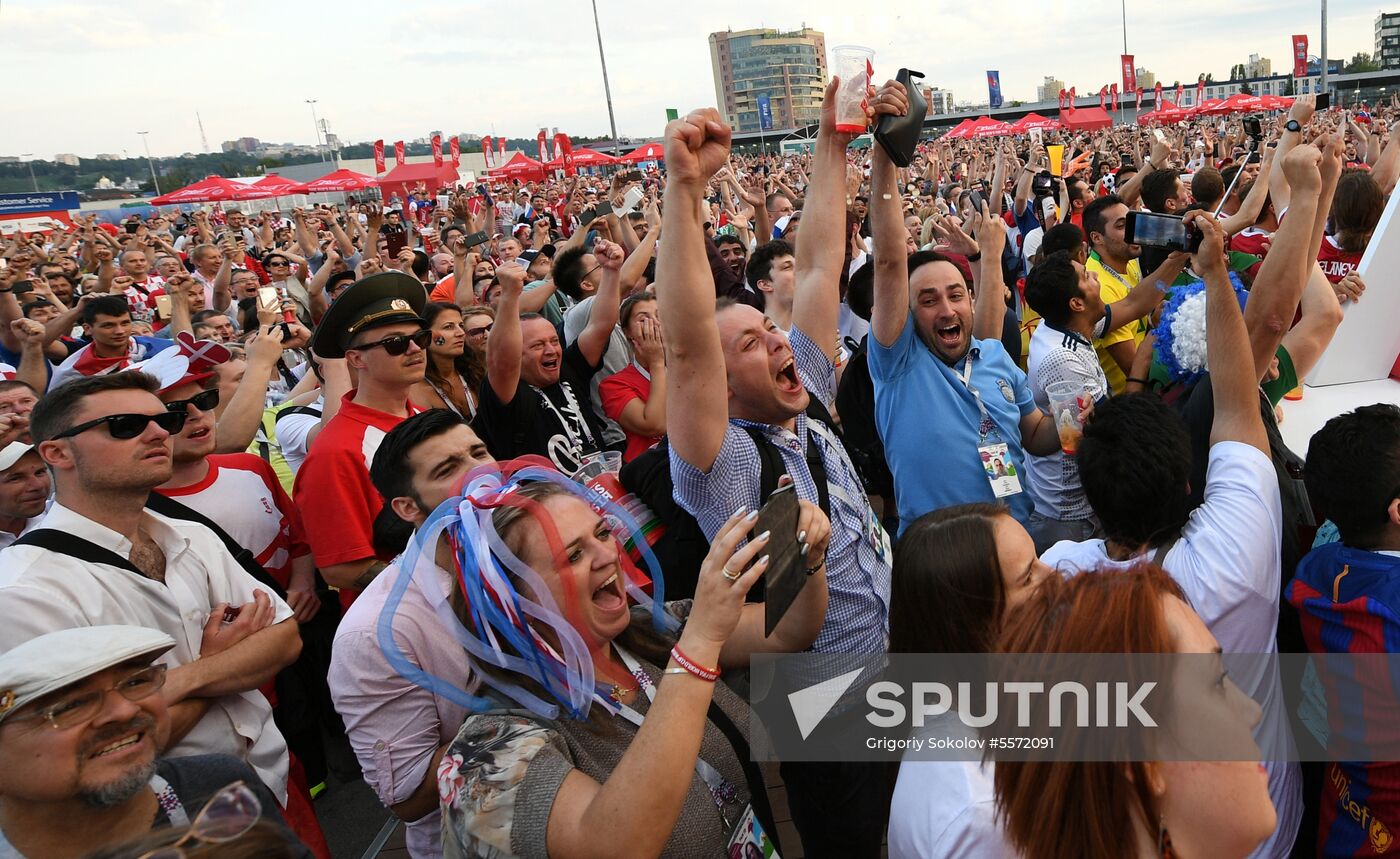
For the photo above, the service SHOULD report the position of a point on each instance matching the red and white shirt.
(141, 296)
(242, 494)
(1336, 263)
(1251, 240)
(338, 502)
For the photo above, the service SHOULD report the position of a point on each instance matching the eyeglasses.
(81, 709)
(479, 331)
(226, 817)
(279, 263)
(205, 401)
(127, 426)
(398, 343)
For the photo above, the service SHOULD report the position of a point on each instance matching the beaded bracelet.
(691, 667)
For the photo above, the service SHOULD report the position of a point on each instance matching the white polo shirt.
(43, 591)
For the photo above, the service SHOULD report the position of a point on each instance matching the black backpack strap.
(758, 790)
(771, 468)
(296, 410)
(74, 546)
(173, 509)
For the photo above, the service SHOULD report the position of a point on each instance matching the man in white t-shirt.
(1068, 299)
(1134, 462)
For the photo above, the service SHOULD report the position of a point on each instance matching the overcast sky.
(84, 76)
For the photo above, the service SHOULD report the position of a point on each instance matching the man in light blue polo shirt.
(955, 413)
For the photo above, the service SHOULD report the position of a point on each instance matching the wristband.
(1146, 383)
(974, 257)
(690, 667)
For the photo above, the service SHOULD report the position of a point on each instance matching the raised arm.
(1149, 292)
(891, 305)
(1131, 191)
(1277, 289)
(602, 317)
(697, 392)
(1234, 385)
(1279, 190)
(503, 346)
(821, 251)
(1253, 202)
(989, 302)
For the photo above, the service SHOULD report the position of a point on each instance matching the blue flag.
(765, 113)
(994, 88)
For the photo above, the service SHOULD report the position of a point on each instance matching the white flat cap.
(10, 453)
(58, 659)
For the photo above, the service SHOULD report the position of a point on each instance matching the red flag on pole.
(544, 152)
(1179, 90)
(1129, 73)
(1200, 90)
(487, 151)
(1103, 98)
(1300, 56)
(437, 150)
(1113, 94)
(378, 156)
(565, 149)
(1138, 106)
(455, 147)
(1062, 99)
(1158, 93)
(398, 153)
(1072, 97)
(501, 148)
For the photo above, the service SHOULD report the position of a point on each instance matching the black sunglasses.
(129, 426)
(276, 262)
(205, 401)
(398, 343)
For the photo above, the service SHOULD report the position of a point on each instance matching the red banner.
(1138, 106)
(487, 152)
(1200, 90)
(398, 153)
(1113, 95)
(501, 149)
(437, 150)
(1300, 56)
(1129, 73)
(455, 148)
(1103, 98)
(1178, 93)
(378, 157)
(1063, 94)
(544, 152)
(564, 148)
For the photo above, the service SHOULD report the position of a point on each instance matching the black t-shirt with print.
(555, 422)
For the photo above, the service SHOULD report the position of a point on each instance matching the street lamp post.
(146, 142)
(31, 170)
(607, 90)
(315, 125)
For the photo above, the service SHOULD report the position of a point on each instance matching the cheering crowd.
(458, 495)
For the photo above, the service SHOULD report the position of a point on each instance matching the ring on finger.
(730, 575)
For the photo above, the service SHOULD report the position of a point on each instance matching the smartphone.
(1158, 133)
(477, 238)
(603, 209)
(784, 578)
(396, 241)
(163, 306)
(630, 200)
(1171, 232)
(633, 176)
(268, 298)
(132, 228)
(1324, 101)
(978, 200)
(21, 287)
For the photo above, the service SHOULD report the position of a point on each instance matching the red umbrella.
(1238, 103)
(584, 158)
(280, 186)
(959, 131)
(647, 152)
(213, 189)
(1163, 112)
(1031, 121)
(1274, 102)
(1210, 107)
(520, 166)
(985, 126)
(340, 180)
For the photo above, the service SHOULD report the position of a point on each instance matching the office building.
(1387, 54)
(940, 101)
(66, 158)
(789, 68)
(1050, 90)
(1258, 67)
(1146, 80)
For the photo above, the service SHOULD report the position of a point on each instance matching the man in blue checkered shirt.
(728, 368)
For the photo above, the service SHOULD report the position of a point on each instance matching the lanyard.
(169, 802)
(988, 425)
(721, 791)
(1115, 275)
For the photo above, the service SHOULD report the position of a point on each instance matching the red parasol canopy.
(280, 186)
(520, 166)
(1031, 121)
(584, 158)
(959, 131)
(647, 152)
(213, 189)
(1163, 112)
(1086, 119)
(985, 126)
(340, 181)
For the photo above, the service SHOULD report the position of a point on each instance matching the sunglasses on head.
(127, 426)
(398, 343)
(205, 401)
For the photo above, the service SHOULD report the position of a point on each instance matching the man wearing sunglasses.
(377, 327)
(99, 557)
(81, 721)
